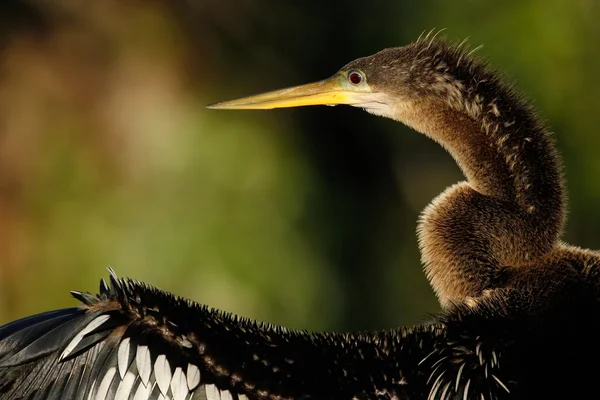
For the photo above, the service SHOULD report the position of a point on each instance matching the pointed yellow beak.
(332, 91)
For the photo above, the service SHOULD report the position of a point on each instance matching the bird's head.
(387, 83)
(410, 84)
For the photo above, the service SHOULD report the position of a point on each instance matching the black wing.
(99, 351)
(133, 341)
(136, 342)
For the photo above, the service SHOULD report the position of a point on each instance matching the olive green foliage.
(302, 217)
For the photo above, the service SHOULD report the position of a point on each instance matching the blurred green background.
(302, 217)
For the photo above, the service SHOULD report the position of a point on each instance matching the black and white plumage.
(133, 341)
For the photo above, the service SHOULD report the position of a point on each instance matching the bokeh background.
(302, 217)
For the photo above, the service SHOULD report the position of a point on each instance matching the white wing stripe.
(193, 376)
(212, 393)
(143, 392)
(226, 395)
(102, 392)
(96, 322)
(124, 389)
(123, 356)
(162, 373)
(179, 385)
(91, 392)
(143, 362)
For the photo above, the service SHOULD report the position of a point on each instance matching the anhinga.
(520, 308)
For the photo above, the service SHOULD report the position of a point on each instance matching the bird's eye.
(355, 78)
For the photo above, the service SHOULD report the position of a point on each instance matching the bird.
(519, 307)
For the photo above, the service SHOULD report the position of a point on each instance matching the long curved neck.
(511, 212)
(503, 153)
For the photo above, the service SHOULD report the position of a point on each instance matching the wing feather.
(135, 342)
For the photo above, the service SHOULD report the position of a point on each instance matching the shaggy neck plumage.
(510, 213)
(494, 136)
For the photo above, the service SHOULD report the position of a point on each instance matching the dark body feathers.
(235, 355)
(140, 341)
